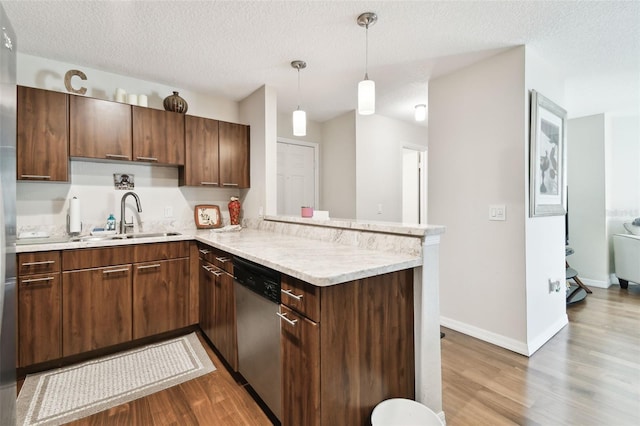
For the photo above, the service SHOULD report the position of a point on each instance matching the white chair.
(626, 251)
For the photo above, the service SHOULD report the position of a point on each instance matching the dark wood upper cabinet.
(158, 136)
(201, 152)
(99, 129)
(42, 135)
(234, 155)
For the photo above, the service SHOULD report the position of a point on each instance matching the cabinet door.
(224, 326)
(158, 136)
(234, 155)
(300, 348)
(96, 308)
(160, 296)
(39, 328)
(201, 152)
(207, 286)
(99, 129)
(42, 135)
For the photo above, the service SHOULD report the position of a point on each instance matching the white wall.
(379, 143)
(44, 205)
(260, 110)
(337, 170)
(622, 170)
(43, 73)
(544, 236)
(587, 199)
(478, 156)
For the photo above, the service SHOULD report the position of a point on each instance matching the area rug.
(70, 393)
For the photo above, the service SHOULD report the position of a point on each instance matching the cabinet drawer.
(219, 258)
(301, 297)
(160, 251)
(38, 263)
(95, 258)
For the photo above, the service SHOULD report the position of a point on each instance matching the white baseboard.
(506, 342)
(487, 336)
(544, 337)
(594, 283)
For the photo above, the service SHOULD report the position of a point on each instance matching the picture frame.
(547, 192)
(207, 216)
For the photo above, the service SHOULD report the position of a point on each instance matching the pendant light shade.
(367, 88)
(299, 123)
(367, 97)
(299, 116)
(420, 112)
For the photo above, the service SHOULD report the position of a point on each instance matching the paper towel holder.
(73, 233)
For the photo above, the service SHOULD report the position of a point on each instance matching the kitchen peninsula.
(359, 260)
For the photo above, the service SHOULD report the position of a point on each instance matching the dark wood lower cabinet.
(218, 311)
(160, 296)
(359, 353)
(40, 330)
(96, 308)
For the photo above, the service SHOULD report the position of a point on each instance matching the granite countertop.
(320, 263)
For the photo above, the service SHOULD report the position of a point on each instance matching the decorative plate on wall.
(207, 216)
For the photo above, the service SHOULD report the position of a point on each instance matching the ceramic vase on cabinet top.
(175, 103)
(234, 211)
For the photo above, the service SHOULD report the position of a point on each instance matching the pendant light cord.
(298, 88)
(366, 53)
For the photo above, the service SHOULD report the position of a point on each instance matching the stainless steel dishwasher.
(257, 291)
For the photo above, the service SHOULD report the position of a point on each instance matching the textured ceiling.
(230, 48)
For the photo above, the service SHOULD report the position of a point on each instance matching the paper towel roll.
(75, 223)
(132, 99)
(121, 95)
(142, 100)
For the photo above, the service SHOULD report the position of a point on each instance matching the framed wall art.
(207, 216)
(547, 157)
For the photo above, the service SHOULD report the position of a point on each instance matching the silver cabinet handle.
(206, 268)
(229, 184)
(290, 294)
(33, 280)
(35, 177)
(147, 158)
(155, 265)
(216, 273)
(209, 183)
(44, 262)
(111, 271)
(222, 259)
(126, 157)
(284, 317)
(204, 251)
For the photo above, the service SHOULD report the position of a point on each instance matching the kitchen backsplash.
(43, 206)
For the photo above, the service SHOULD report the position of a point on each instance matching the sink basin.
(147, 235)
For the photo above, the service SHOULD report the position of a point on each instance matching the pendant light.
(299, 116)
(420, 112)
(367, 88)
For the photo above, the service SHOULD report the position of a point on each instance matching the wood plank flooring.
(588, 374)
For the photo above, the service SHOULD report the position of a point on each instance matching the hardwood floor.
(213, 399)
(588, 374)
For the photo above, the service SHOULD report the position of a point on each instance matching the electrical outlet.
(379, 208)
(168, 211)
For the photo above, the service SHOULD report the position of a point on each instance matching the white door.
(297, 177)
(414, 207)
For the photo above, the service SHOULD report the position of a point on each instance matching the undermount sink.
(147, 235)
(124, 236)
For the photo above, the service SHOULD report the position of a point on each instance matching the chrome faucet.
(124, 225)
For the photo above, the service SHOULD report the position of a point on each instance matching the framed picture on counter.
(207, 216)
(547, 157)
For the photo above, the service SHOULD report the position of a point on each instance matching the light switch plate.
(498, 212)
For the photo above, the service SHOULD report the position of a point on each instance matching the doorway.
(297, 175)
(414, 185)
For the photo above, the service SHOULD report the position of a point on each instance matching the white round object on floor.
(403, 412)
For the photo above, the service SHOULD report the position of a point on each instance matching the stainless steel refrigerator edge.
(8, 219)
